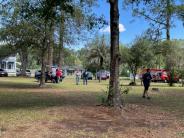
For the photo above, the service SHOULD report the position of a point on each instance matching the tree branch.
(148, 17)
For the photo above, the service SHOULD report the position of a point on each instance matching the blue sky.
(137, 27)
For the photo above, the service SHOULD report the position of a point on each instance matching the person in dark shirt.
(146, 81)
(85, 77)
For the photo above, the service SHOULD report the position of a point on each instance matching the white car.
(28, 73)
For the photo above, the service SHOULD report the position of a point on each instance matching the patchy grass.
(69, 110)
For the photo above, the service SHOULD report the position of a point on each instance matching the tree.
(74, 17)
(159, 13)
(114, 96)
(140, 55)
(125, 56)
(71, 58)
(173, 53)
(179, 10)
(98, 53)
(5, 51)
(16, 31)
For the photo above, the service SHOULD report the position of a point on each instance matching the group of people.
(83, 75)
(146, 78)
(54, 76)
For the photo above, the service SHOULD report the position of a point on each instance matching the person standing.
(85, 77)
(146, 81)
(58, 75)
(77, 76)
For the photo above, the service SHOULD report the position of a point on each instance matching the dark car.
(3, 73)
(38, 74)
(90, 75)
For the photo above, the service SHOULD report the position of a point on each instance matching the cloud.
(122, 28)
(107, 29)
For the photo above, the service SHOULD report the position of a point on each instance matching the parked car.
(37, 74)
(103, 74)
(28, 73)
(90, 75)
(3, 73)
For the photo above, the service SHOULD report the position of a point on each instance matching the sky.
(130, 26)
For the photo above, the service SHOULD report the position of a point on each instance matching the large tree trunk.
(24, 60)
(61, 41)
(43, 68)
(44, 57)
(114, 96)
(50, 48)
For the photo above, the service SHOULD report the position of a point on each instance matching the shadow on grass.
(153, 85)
(18, 85)
(16, 100)
(170, 101)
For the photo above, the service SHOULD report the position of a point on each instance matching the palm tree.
(98, 53)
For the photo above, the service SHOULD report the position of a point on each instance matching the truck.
(160, 75)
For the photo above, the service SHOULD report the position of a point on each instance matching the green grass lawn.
(23, 103)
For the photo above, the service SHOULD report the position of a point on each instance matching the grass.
(22, 98)
(23, 103)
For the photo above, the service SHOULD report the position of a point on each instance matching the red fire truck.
(161, 75)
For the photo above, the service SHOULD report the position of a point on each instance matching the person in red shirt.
(58, 75)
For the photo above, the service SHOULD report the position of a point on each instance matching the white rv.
(9, 64)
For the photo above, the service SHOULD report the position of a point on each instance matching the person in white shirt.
(77, 76)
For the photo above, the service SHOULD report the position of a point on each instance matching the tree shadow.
(32, 100)
(18, 85)
(168, 101)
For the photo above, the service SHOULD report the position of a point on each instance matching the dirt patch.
(96, 121)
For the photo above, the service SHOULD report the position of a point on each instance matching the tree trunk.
(168, 20)
(101, 62)
(24, 60)
(50, 48)
(61, 41)
(114, 96)
(134, 75)
(43, 61)
(50, 57)
(44, 57)
(171, 77)
(168, 26)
